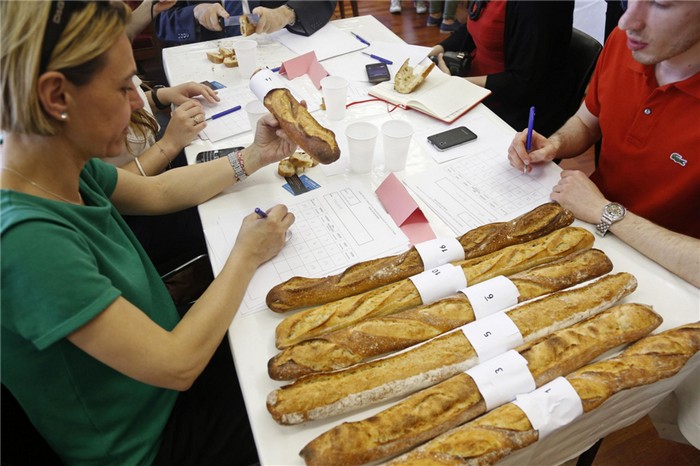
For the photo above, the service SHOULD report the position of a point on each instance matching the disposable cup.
(335, 91)
(362, 137)
(246, 55)
(255, 110)
(397, 139)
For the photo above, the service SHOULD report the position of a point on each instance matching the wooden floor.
(638, 444)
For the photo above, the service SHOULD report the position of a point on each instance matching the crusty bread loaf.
(381, 335)
(301, 127)
(298, 292)
(457, 400)
(321, 395)
(401, 295)
(407, 80)
(506, 429)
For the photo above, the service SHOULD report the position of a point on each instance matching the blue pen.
(224, 113)
(530, 125)
(360, 38)
(260, 212)
(275, 70)
(383, 60)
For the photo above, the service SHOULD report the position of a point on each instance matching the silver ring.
(196, 119)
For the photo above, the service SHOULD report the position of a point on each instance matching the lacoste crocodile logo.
(678, 158)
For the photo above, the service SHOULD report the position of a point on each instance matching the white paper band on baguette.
(491, 296)
(263, 82)
(439, 251)
(439, 282)
(501, 378)
(492, 335)
(551, 406)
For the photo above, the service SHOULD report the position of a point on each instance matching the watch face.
(615, 211)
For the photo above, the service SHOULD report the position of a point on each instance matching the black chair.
(582, 57)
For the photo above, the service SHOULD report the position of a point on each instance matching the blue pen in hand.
(530, 125)
(261, 213)
(376, 57)
(360, 38)
(224, 113)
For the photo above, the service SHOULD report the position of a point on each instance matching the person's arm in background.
(300, 16)
(192, 21)
(146, 12)
(458, 41)
(533, 33)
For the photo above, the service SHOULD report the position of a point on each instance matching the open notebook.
(441, 96)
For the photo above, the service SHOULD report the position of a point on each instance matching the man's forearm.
(678, 253)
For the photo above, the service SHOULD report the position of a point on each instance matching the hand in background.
(260, 239)
(207, 15)
(576, 192)
(182, 93)
(272, 19)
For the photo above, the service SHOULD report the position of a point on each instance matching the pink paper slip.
(304, 64)
(404, 210)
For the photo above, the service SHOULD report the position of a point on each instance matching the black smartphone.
(451, 138)
(209, 155)
(377, 72)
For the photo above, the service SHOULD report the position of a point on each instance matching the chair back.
(582, 57)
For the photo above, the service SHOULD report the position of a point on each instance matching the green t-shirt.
(62, 265)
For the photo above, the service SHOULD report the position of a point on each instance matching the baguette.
(298, 292)
(457, 400)
(505, 429)
(301, 127)
(246, 26)
(321, 395)
(401, 295)
(381, 335)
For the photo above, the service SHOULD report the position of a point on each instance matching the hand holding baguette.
(457, 400)
(299, 292)
(395, 297)
(321, 395)
(380, 335)
(498, 433)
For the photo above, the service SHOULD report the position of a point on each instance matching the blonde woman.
(92, 346)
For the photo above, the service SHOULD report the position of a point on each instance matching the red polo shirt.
(650, 155)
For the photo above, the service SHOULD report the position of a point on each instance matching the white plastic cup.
(335, 92)
(362, 137)
(255, 110)
(247, 57)
(397, 139)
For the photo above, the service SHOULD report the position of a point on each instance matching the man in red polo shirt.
(644, 102)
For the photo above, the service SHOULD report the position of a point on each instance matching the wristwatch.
(612, 212)
(154, 96)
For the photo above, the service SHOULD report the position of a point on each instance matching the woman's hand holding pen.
(542, 150)
(260, 239)
(186, 121)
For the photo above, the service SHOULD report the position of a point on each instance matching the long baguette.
(298, 292)
(457, 400)
(401, 295)
(381, 335)
(321, 395)
(506, 429)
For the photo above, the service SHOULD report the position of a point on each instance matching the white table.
(252, 335)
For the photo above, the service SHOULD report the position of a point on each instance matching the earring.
(64, 116)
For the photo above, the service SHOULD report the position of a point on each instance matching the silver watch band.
(237, 167)
(603, 227)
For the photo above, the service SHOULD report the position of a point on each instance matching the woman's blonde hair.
(78, 52)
